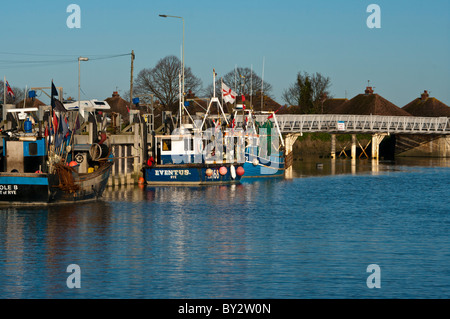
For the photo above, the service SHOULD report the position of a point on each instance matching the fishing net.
(66, 181)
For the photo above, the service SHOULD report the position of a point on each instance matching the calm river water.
(310, 236)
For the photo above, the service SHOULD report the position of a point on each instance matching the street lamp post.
(79, 85)
(182, 58)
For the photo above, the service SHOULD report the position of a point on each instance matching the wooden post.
(113, 173)
(91, 133)
(333, 146)
(353, 146)
(121, 163)
(137, 154)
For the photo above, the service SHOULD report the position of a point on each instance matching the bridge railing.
(340, 123)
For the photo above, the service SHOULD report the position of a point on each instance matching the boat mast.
(214, 99)
(181, 99)
(262, 85)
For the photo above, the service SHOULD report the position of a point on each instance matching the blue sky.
(409, 54)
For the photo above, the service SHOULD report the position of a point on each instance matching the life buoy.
(79, 158)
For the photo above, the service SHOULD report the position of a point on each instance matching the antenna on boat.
(251, 85)
(180, 102)
(214, 82)
(262, 85)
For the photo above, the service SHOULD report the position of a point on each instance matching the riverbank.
(319, 145)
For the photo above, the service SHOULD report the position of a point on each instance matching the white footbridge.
(360, 124)
(293, 125)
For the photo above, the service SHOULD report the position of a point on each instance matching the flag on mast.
(9, 91)
(228, 94)
(54, 90)
(56, 104)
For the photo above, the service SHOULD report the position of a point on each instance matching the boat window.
(32, 149)
(167, 145)
(188, 144)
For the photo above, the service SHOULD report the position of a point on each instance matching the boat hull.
(87, 186)
(189, 175)
(31, 189)
(263, 168)
(22, 188)
(261, 171)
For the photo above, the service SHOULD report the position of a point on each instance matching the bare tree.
(308, 92)
(244, 81)
(163, 81)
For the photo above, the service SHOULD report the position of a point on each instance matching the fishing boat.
(195, 154)
(264, 156)
(33, 170)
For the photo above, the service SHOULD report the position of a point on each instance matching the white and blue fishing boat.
(194, 154)
(34, 170)
(264, 156)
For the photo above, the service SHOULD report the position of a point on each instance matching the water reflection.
(214, 241)
(41, 237)
(309, 166)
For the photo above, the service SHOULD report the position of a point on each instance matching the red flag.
(55, 122)
(271, 115)
(243, 101)
(9, 90)
(65, 126)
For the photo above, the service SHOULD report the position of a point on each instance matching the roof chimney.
(424, 95)
(369, 90)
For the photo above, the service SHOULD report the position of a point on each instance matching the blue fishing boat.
(264, 156)
(194, 154)
(34, 171)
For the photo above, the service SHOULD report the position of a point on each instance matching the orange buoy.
(209, 172)
(141, 181)
(223, 170)
(240, 171)
(73, 163)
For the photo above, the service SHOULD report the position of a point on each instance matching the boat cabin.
(196, 148)
(23, 152)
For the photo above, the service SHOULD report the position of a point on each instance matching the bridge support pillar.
(353, 146)
(289, 148)
(333, 146)
(376, 140)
